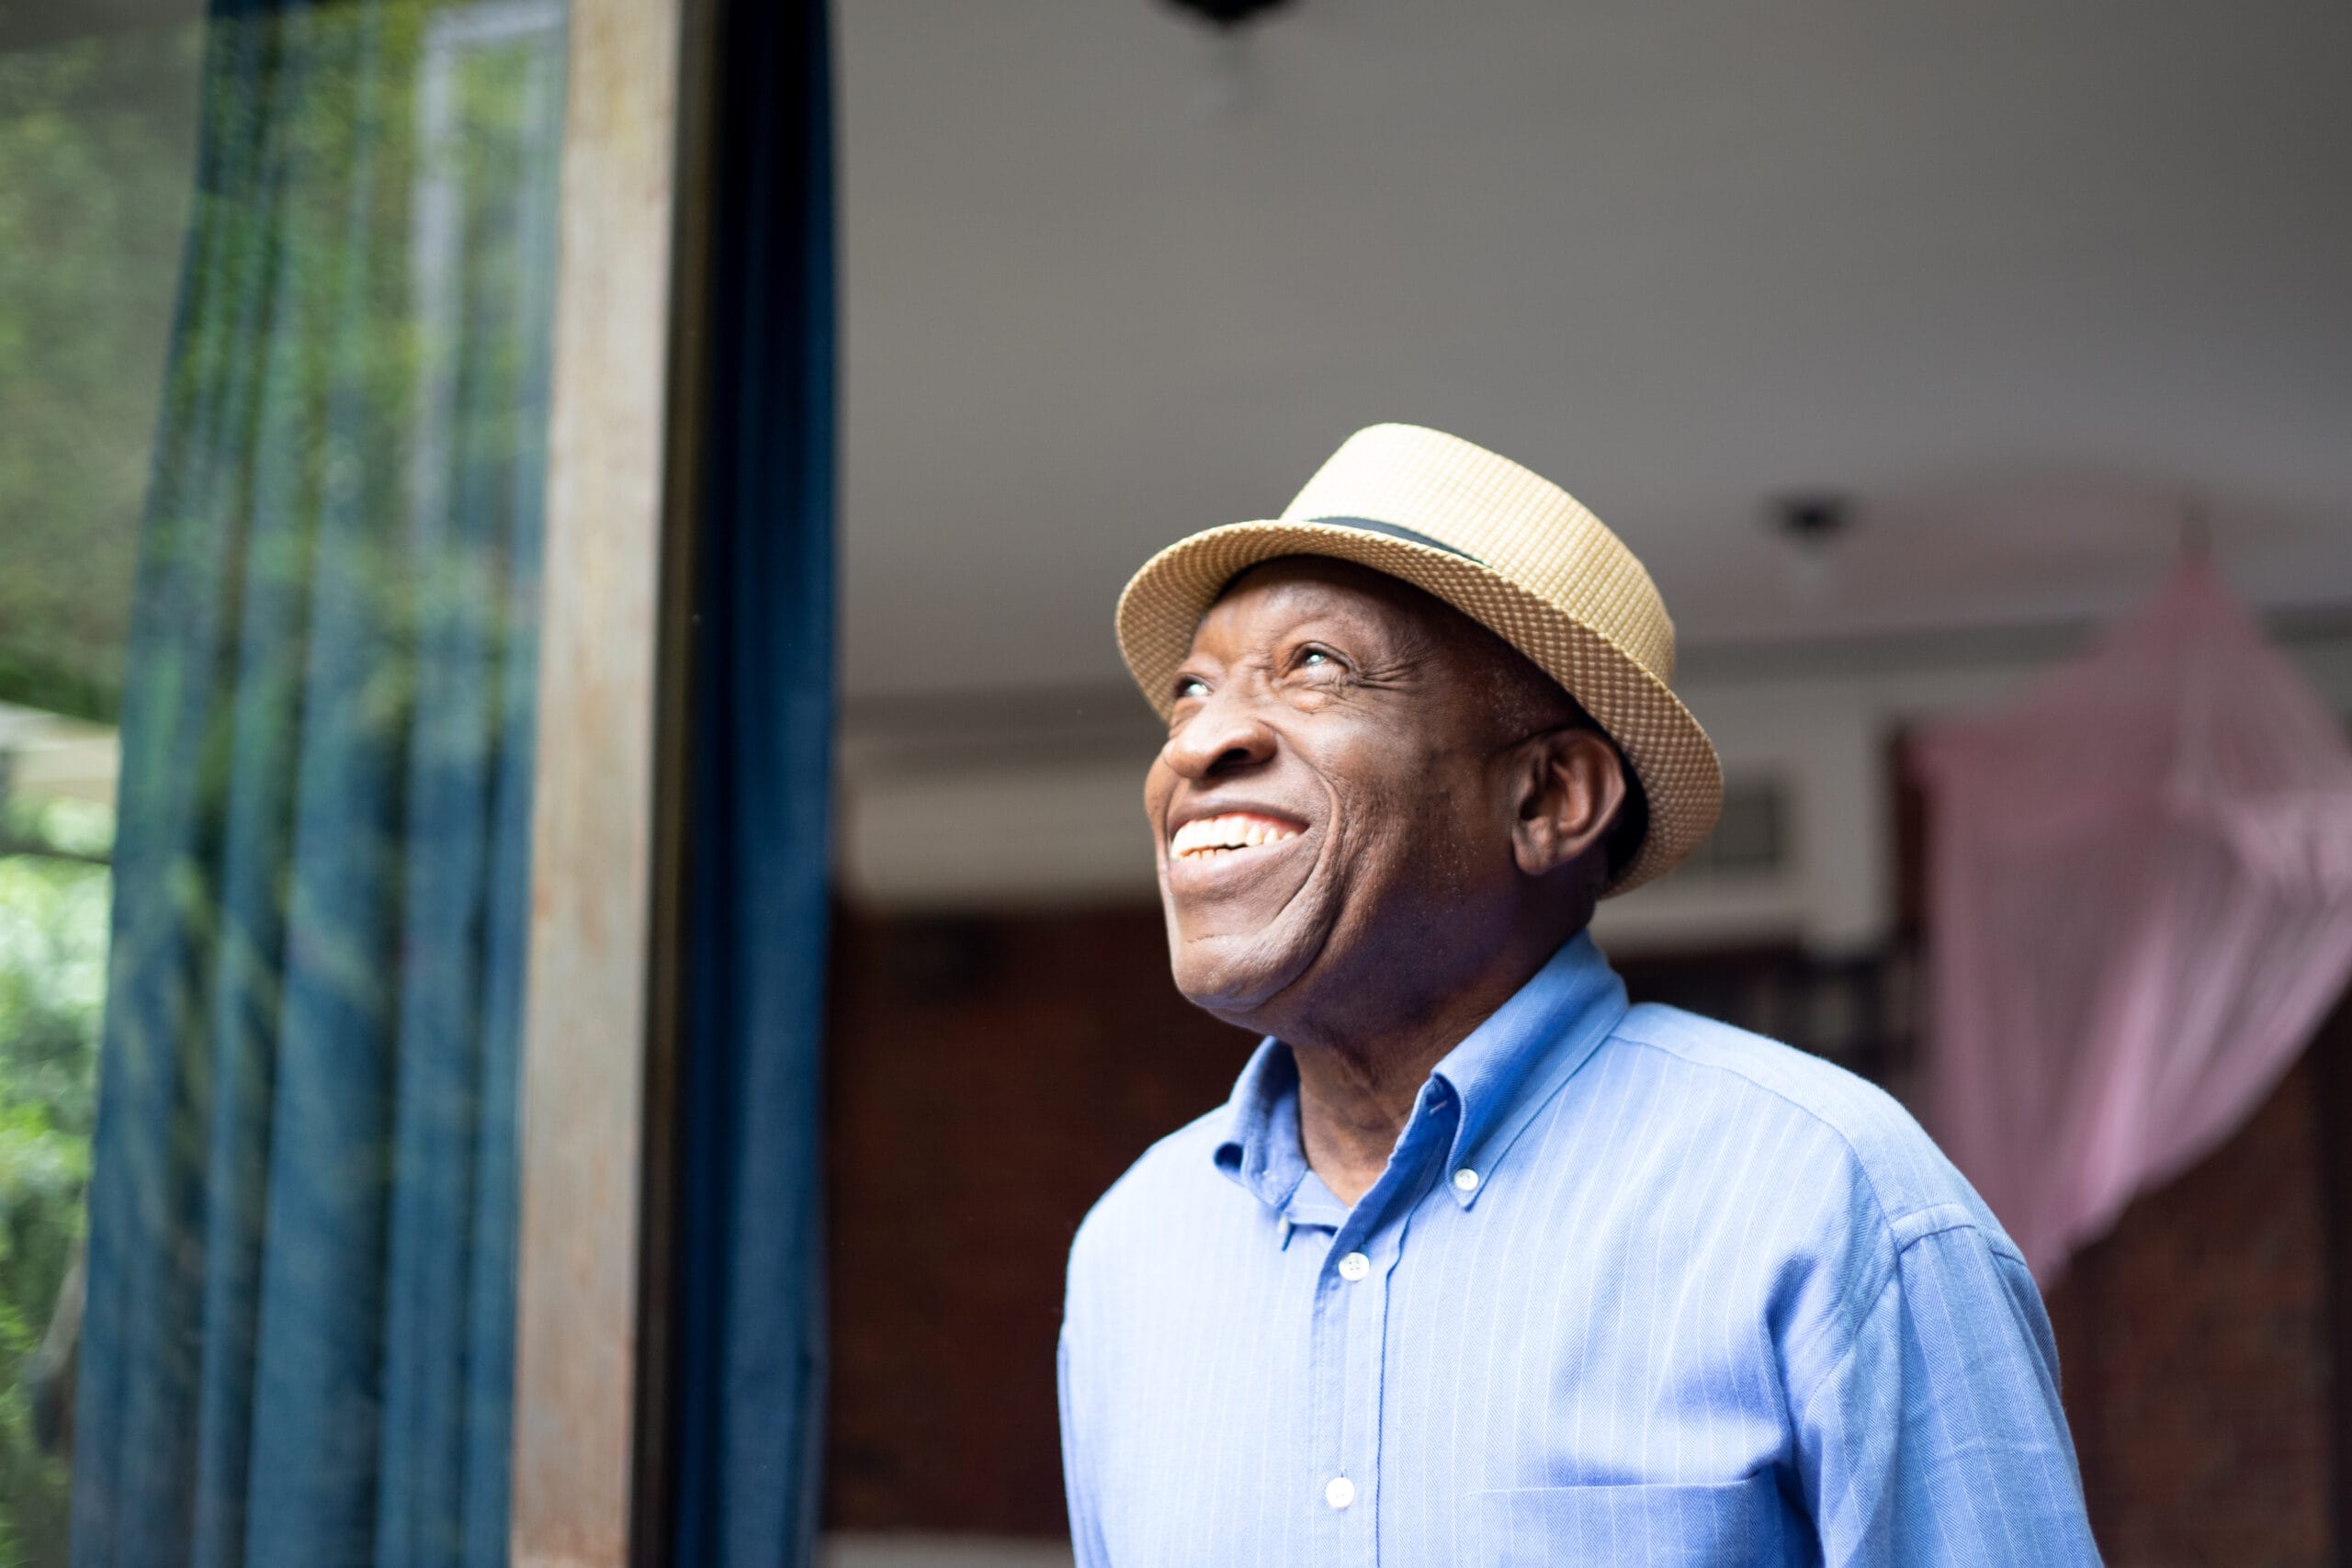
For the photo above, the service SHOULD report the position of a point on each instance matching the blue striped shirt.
(1635, 1288)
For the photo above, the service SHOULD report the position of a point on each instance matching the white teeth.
(1236, 830)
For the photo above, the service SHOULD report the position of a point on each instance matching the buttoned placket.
(1348, 1337)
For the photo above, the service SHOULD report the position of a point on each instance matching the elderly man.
(1479, 1265)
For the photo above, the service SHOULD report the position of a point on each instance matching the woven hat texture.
(1507, 547)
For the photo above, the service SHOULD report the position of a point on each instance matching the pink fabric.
(2141, 883)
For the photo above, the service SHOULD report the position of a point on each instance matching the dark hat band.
(1374, 525)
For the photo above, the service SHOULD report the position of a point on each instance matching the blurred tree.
(53, 981)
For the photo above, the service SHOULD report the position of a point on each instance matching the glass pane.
(95, 186)
(274, 319)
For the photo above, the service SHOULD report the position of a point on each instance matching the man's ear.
(1570, 788)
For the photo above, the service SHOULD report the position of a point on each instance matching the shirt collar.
(1508, 1067)
(1501, 1074)
(1261, 1149)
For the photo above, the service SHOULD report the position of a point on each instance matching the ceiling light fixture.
(1811, 523)
(1228, 13)
(1225, 93)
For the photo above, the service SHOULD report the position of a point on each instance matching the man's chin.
(1235, 969)
(1235, 975)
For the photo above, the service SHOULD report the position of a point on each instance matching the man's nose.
(1222, 736)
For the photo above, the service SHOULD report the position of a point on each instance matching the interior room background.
(1909, 351)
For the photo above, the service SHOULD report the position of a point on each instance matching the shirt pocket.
(1737, 1524)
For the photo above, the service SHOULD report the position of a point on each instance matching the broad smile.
(1210, 839)
(1226, 850)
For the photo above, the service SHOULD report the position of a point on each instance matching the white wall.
(944, 810)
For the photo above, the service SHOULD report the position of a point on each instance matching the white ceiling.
(2021, 276)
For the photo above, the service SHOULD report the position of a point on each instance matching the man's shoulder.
(1178, 1169)
(1869, 1139)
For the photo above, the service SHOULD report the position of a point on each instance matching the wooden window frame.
(602, 1007)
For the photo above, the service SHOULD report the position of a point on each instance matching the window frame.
(601, 1010)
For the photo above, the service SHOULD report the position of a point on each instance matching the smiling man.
(1479, 1265)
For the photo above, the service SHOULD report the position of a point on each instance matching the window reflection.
(273, 387)
(96, 136)
(95, 182)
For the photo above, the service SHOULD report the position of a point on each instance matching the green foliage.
(53, 915)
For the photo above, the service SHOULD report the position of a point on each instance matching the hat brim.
(1667, 749)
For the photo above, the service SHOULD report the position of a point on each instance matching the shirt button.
(1341, 1491)
(1354, 1266)
(1465, 1181)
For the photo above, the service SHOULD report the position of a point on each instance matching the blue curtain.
(298, 1340)
(750, 1282)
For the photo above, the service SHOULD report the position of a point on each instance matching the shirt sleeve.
(1085, 1528)
(1935, 1434)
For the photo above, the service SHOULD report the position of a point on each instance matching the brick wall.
(991, 1077)
(2194, 1347)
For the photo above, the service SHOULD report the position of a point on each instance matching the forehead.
(1388, 620)
(1280, 594)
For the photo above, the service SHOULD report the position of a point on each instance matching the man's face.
(1329, 803)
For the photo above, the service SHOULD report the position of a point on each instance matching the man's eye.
(1315, 656)
(1190, 686)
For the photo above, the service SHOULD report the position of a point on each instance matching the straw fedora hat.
(1507, 547)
